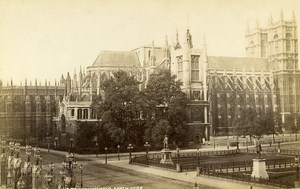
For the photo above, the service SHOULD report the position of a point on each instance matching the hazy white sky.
(43, 39)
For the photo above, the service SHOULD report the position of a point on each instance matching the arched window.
(276, 42)
(79, 114)
(72, 112)
(263, 48)
(288, 42)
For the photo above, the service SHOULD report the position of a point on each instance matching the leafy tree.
(165, 108)
(292, 122)
(120, 107)
(253, 124)
(85, 135)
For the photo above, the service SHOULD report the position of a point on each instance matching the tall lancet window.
(276, 43)
(263, 49)
(288, 42)
(195, 68)
(180, 67)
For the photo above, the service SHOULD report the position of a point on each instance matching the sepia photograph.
(149, 94)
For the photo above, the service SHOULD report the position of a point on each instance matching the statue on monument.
(165, 142)
(258, 148)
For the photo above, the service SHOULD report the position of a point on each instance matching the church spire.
(167, 50)
(204, 49)
(271, 20)
(281, 15)
(293, 17)
(257, 24)
(177, 44)
(189, 38)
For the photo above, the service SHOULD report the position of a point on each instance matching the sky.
(43, 39)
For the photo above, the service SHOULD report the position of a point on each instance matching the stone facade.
(218, 88)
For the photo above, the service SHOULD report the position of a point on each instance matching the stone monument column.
(166, 153)
(259, 165)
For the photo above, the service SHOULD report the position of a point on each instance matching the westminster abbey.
(218, 88)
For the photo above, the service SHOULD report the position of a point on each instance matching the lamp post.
(198, 162)
(28, 166)
(16, 165)
(177, 155)
(105, 155)
(36, 169)
(247, 144)
(147, 145)
(296, 165)
(71, 144)
(49, 176)
(296, 129)
(97, 149)
(69, 165)
(130, 147)
(81, 170)
(118, 152)
(48, 139)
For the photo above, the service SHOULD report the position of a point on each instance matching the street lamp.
(69, 164)
(130, 147)
(2, 161)
(105, 155)
(177, 155)
(49, 176)
(296, 165)
(71, 144)
(27, 165)
(296, 129)
(198, 162)
(97, 149)
(118, 152)
(147, 145)
(21, 183)
(81, 170)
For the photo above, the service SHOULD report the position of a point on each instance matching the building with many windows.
(219, 88)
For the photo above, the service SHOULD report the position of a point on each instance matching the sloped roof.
(116, 59)
(230, 63)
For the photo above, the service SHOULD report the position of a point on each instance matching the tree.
(291, 123)
(253, 124)
(119, 109)
(165, 108)
(85, 134)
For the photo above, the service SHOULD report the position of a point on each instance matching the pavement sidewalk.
(187, 176)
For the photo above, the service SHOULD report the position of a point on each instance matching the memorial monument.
(166, 153)
(259, 164)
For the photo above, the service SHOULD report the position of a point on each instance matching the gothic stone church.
(219, 88)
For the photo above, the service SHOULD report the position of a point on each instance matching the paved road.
(98, 175)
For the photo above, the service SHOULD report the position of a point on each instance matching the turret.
(271, 20)
(281, 16)
(166, 49)
(204, 68)
(80, 82)
(68, 84)
(294, 17)
(177, 44)
(62, 80)
(74, 85)
(186, 61)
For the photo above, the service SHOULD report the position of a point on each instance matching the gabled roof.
(117, 59)
(230, 63)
